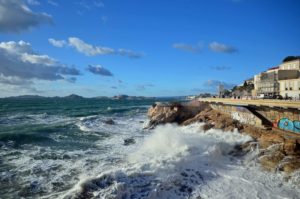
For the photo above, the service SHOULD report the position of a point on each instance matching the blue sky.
(134, 47)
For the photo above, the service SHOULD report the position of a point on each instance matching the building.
(266, 83)
(289, 79)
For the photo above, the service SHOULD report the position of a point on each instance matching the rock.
(109, 121)
(277, 152)
(243, 149)
(270, 162)
(290, 165)
(172, 113)
(206, 127)
(129, 141)
(268, 139)
(291, 147)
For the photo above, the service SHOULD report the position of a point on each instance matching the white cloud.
(222, 48)
(57, 43)
(89, 49)
(99, 70)
(38, 59)
(92, 50)
(188, 47)
(16, 17)
(19, 61)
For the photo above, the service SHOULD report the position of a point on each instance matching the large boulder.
(174, 112)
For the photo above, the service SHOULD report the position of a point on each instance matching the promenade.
(254, 102)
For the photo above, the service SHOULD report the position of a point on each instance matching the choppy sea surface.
(64, 148)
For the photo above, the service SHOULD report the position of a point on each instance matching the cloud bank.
(19, 62)
(16, 17)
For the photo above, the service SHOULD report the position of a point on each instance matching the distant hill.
(73, 96)
(126, 97)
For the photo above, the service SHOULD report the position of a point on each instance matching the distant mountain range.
(74, 96)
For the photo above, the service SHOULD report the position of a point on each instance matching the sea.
(99, 148)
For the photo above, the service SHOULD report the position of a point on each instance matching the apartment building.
(289, 79)
(266, 83)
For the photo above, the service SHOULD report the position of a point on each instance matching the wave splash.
(173, 162)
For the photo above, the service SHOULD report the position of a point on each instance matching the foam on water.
(39, 171)
(168, 162)
(181, 162)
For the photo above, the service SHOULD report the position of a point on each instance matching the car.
(279, 97)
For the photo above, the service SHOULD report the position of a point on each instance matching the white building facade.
(289, 79)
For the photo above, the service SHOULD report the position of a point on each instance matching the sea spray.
(184, 162)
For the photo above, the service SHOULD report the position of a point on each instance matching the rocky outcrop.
(277, 152)
(172, 113)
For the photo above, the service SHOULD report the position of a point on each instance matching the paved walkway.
(258, 102)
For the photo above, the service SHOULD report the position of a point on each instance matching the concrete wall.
(286, 119)
(239, 113)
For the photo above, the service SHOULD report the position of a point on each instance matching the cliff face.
(276, 150)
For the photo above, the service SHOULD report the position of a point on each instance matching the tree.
(290, 58)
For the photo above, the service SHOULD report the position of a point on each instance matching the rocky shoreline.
(277, 151)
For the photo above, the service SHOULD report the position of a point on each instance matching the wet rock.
(271, 161)
(109, 121)
(206, 127)
(129, 141)
(290, 165)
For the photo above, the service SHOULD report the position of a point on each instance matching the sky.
(141, 47)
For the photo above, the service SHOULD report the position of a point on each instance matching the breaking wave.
(182, 162)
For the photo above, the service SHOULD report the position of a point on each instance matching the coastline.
(277, 152)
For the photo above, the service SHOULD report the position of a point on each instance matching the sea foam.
(184, 162)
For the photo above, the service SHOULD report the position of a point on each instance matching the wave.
(168, 162)
(42, 118)
(181, 162)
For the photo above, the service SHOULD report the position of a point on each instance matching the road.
(256, 102)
